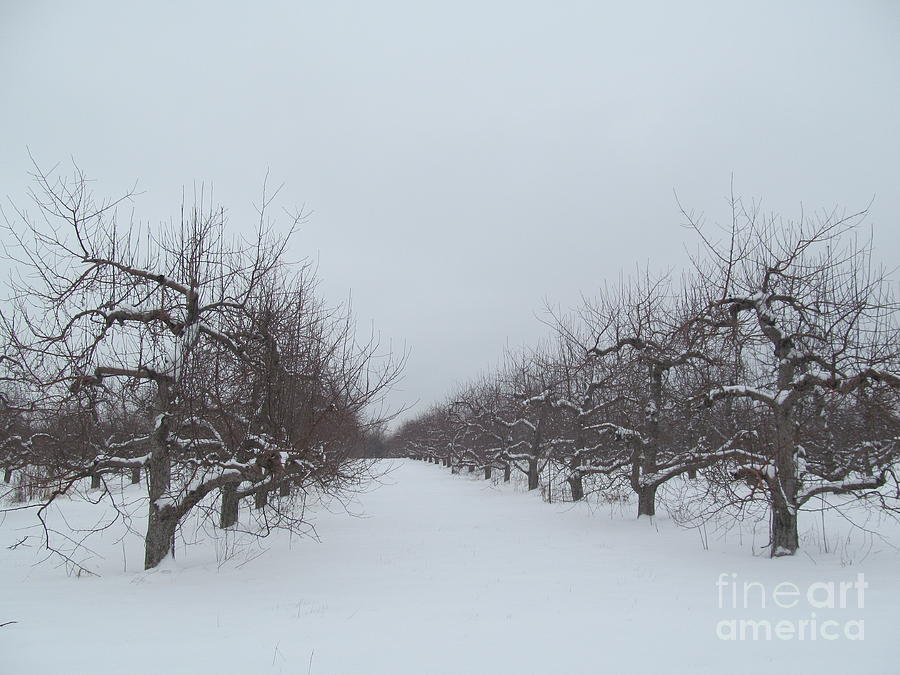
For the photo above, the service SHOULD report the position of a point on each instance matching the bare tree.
(818, 326)
(769, 375)
(216, 332)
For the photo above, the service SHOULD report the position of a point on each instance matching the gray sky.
(465, 161)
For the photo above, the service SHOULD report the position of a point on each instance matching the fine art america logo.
(822, 610)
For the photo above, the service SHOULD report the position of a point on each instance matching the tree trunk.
(135, 475)
(161, 521)
(648, 452)
(285, 489)
(487, 471)
(785, 539)
(533, 473)
(7, 475)
(228, 514)
(261, 498)
(507, 471)
(647, 501)
(576, 478)
(471, 468)
(783, 486)
(160, 535)
(95, 481)
(576, 485)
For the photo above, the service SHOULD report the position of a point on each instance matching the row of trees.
(202, 365)
(769, 372)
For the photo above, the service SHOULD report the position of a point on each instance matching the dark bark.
(487, 471)
(785, 539)
(576, 478)
(576, 485)
(533, 474)
(538, 439)
(647, 500)
(507, 471)
(471, 468)
(261, 498)
(7, 475)
(160, 523)
(158, 543)
(228, 514)
(160, 528)
(95, 481)
(285, 489)
(646, 459)
(784, 485)
(136, 475)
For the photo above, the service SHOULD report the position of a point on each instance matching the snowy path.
(442, 575)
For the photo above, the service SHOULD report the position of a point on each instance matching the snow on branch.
(741, 391)
(847, 486)
(139, 273)
(691, 461)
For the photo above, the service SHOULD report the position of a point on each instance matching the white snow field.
(448, 574)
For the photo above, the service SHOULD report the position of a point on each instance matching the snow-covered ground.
(447, 574)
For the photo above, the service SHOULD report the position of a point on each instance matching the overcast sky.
(465, 162)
